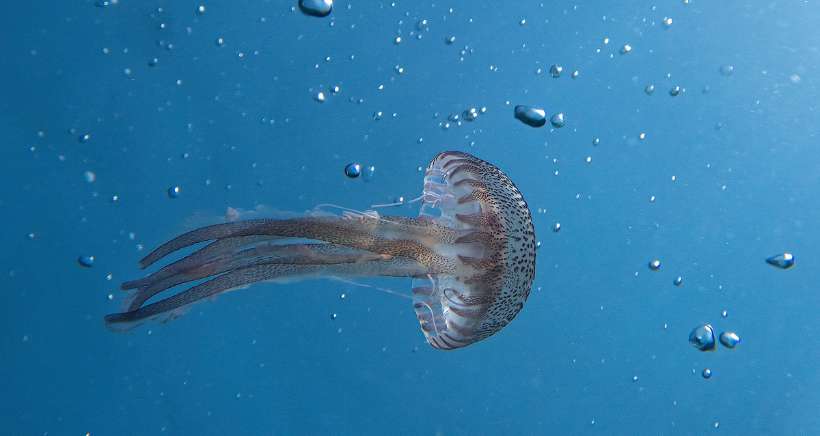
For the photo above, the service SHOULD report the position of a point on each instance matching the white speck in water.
(727, 70)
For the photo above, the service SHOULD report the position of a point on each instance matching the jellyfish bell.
(470, 254)
(492, 256)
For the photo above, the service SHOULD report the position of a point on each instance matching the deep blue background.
(269, 360)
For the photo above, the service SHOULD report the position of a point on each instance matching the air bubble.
(782, 261)
(558, 120)
(702, 337)
(531, 116)
(353, 170)
(729, 339)
(316, 8)
(86, 261)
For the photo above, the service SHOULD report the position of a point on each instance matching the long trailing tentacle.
(211, 252)
(202, 234)
(198, 265)
(378, 235)
(171, 307)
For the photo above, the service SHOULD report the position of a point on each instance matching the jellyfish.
(470, 255)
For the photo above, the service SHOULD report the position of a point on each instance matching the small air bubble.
(174, 191)
(86, 261)
(353, 170)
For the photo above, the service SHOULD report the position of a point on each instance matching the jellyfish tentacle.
(170, 307)
(202, 234)
(211, 252)
(365, 233)
(291, 254)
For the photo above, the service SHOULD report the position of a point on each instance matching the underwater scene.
(365, 217)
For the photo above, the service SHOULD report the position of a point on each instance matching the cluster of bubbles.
(702, 337)
(457, 119)
(537, 117)
(556, 70)
(321, 96)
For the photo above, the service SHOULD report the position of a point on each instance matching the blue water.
(601, 346)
